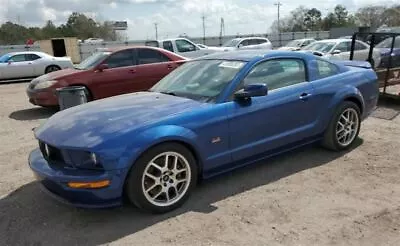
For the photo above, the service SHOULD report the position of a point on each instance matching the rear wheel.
(162, 179)
(52, 68)
(344, 127)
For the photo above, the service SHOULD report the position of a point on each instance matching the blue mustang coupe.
(209, 116)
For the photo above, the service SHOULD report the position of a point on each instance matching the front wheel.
(344, 127)
(162, 179)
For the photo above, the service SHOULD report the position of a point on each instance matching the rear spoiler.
(352, 63)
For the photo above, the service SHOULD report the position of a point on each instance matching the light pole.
(156, 27)
(279, 4)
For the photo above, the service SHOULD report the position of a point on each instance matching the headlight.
(84, 159)
(45, 84)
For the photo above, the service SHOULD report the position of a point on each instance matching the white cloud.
(173, 16)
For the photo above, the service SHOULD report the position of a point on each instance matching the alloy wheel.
(166, 179)
(347, 127)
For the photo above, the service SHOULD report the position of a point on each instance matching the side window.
(184, 46)
(359, 46)
(146, 56)
(278, 73)
(326, 69)
(253, 41)
(168, 46)
(261, 41)
(343, 46)
(17, 58)
(122, 58)
(244, 43)
(31, 57)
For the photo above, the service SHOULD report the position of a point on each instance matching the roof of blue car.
(248, 55)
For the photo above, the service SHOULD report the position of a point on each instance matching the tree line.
(78, 25)
(303, 19)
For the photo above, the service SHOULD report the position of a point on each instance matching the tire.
(147, 184)
(52, 68)
(333, 136)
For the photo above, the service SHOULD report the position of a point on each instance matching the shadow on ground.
(32, 114)
(29, 217)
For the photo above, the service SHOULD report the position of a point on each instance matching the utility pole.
(203, 17)
(156, 28)
(279, 4)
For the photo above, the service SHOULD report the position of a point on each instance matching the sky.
(174, 17)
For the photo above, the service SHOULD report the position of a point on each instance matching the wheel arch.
(156, 136)
(346, 94)
(51, 65)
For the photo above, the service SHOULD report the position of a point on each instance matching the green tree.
(312, 20)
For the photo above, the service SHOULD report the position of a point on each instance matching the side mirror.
(240, 46)
(252, 90)
(102, 67)
(10, 61)
(336, 52)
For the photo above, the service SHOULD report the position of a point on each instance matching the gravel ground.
(307, 197)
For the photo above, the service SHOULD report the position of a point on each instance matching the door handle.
(170, 66)
(304, 96)
(132, 70)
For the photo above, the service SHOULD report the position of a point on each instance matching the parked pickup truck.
(183, 47)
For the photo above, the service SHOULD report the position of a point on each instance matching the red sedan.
(107, 73)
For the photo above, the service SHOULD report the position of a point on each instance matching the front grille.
(50, 153)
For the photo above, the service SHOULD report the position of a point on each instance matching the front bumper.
(45, 98)
(54, 180)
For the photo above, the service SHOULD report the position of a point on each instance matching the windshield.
(323, 47)
(92, 60)
(232, 43)
(387, 43)
(294, 43)
(201, 80)
(4, 58)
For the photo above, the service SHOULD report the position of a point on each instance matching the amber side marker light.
(89, 185)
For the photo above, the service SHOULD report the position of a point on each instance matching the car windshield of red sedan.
(92, 61)
(201, 80)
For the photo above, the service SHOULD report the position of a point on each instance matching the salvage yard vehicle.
(297, 44)
(340, 49)
(385, 48)
(30, 64)
(183, 47)
(209, 116)
(107, 73)
(247, 43)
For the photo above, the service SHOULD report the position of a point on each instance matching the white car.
(202, 46)
(340, 49)
(247, 43)
(93, 41)
(29, 64)
(297, 44)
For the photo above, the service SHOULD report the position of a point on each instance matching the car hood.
(90, 124)
(60, 74)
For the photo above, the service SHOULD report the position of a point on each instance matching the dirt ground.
(307, 197)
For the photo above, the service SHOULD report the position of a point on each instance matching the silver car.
(340, 49)
(247, 43)
(29, 64)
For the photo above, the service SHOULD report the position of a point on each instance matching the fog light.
(89, 185)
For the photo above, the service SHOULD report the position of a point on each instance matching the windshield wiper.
(168, 93)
